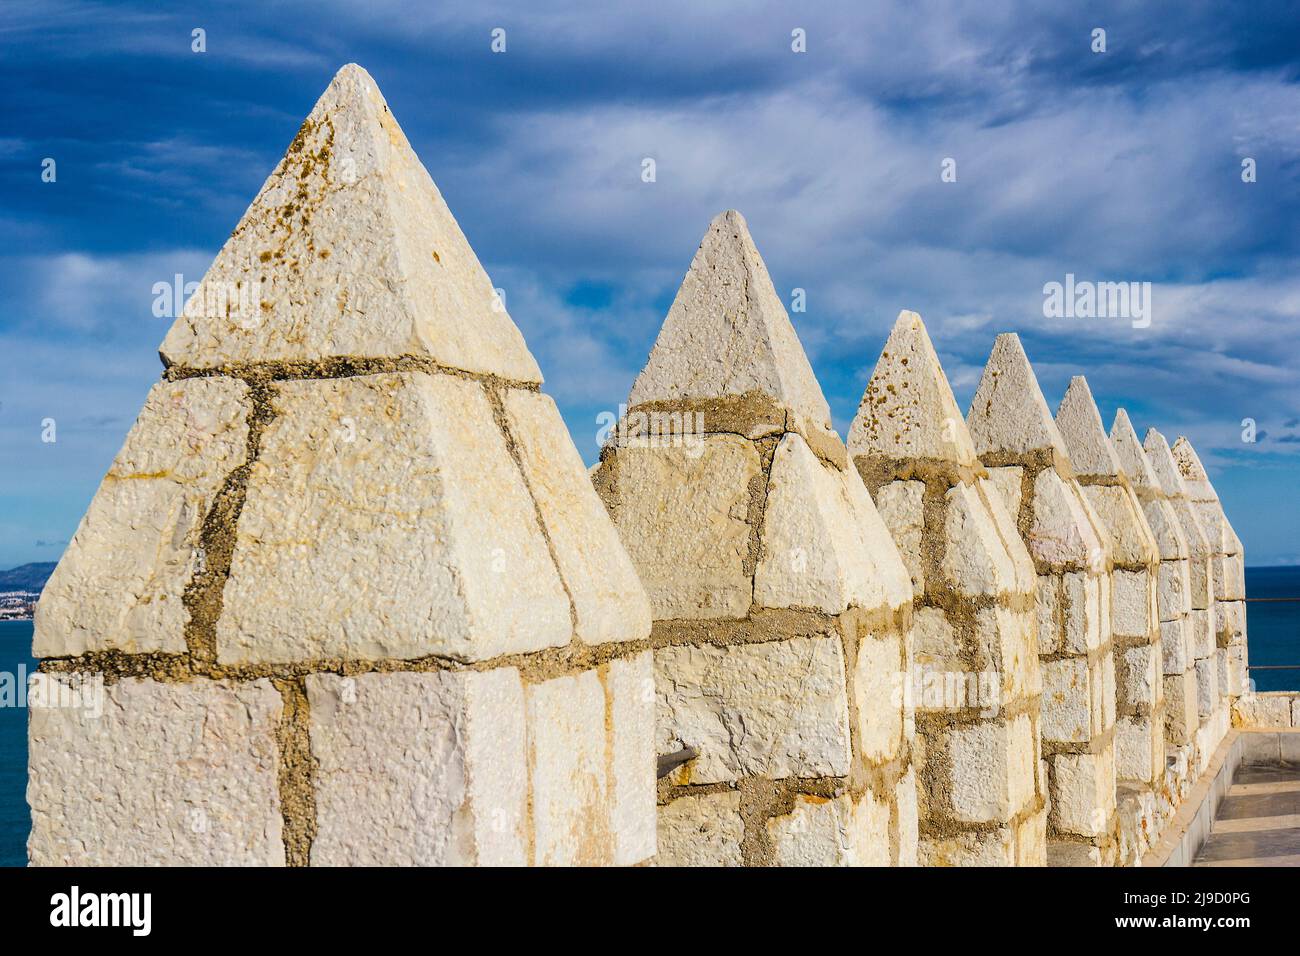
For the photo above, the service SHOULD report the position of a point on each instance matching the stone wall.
(1174, 608)
(1135, 622)
(348, 596)
(976, 684)
(349, 592)
(1016, 438)
(781, 606)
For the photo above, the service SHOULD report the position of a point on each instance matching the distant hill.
(27, 577)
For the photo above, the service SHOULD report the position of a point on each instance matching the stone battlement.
(348, 596)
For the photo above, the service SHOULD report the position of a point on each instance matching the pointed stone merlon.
(348, 252)
(1015, 436)
(975, 682)
(727, 353)
(1135, 621)
(1229, 571)
(1174, 607)
(358, 599)
(781, 606)
(1213, 714)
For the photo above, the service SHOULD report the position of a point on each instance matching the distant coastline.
(18, 605)
(20, 589)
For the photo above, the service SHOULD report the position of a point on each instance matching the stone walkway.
(1258, 823)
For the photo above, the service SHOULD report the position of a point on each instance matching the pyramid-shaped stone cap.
(1009, 415)
(1171, 482)
(1080, 425)
(1161, 517)
(1162, 463)
(727, 333)
(1195, 478)
(348, 250)
(1111, 497)
(908, 409)
(1197, 482)
(1132, 456)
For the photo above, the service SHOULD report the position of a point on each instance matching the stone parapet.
(1135, 619)
(347, 595)
(782, 610)
(1016, 438)
(976, 681)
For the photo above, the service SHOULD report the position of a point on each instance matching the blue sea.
(1273, 627)
(1273, 631)
(15, 646)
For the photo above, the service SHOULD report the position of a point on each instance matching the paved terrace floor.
(1258, 823)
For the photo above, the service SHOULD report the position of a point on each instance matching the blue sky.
(1115, 166)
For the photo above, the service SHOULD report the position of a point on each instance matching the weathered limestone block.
(1022, 846)
(993, 769)
(781, 605)
(1136, 629)
(1173, 592)
(704, 829)
(120, 584)
(455, 794)
(976, 683)
(1071, 548)
(1238, 675)
(1008, 482)
(1012, 634)
(569, 754)
(882, 726)
(832, 833)
(1200, 640)
(1174, 585)
(142, 773)
(1223, 675)
(414, 498)
(1182, 718)
(1067, 700)
(1139, 821)
(349, 251)
(683, 517)
(976, 562)
(470, 741)
(1207, 686)
(1180, 773)
(900, 507)
(336, 498)
(1081, 782)
(906, 819)
(629, 691)
(838, 832)
(1264, 710)
(433, 769)
(1140, 748)
(1230, 622)
(775, 709)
